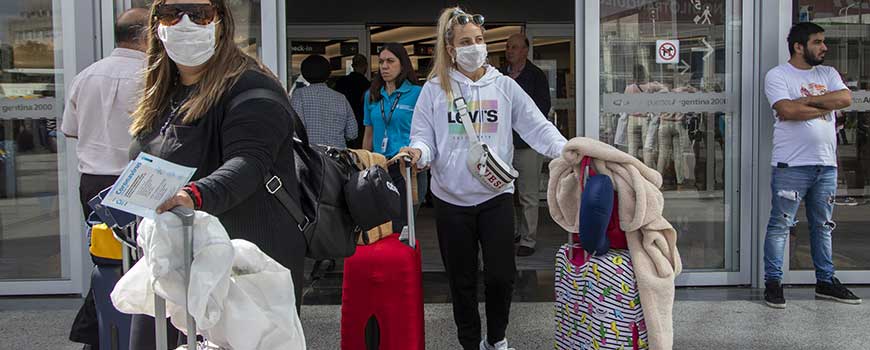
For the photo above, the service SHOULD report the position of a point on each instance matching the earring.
(453, 58)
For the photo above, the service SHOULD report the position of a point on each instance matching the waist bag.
(483, 163)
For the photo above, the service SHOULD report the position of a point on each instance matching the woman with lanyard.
(389, 107)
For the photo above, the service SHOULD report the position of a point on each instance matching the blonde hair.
(443, 61)
(224, 70)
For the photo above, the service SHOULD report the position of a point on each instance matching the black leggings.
(461, 232)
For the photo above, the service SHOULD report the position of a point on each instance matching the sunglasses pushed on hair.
(171, 14)
(463, 18)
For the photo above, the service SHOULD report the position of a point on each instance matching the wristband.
(194, 194)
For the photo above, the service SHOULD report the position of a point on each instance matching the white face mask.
(187, 43)
(471, 57)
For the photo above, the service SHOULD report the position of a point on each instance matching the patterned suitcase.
(597, 303)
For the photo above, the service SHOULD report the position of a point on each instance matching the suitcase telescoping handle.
(409, 202)
(186, 215)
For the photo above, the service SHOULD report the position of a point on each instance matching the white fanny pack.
(483, 163)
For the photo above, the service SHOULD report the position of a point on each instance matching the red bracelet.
(197, 196)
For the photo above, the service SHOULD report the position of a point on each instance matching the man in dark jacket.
(354, 86)
(526, 160)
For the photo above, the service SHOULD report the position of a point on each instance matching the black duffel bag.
(320, 211)
(372, 198)
(323, 172)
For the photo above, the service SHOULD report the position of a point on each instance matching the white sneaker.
(502, 345)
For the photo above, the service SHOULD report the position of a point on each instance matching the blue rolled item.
(596, 206)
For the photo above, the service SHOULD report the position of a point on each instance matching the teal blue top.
(391, 117)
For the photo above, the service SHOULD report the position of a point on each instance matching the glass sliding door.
(670, 87)
(33, 247)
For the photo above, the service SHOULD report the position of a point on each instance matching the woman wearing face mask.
(468, 213)
(389, 106)
(189, 115)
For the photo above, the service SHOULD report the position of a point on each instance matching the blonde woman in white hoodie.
(474, 205)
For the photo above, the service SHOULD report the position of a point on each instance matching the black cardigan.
(233, 152)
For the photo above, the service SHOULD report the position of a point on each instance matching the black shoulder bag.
(321, 211)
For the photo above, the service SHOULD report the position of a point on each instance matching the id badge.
(384, 145)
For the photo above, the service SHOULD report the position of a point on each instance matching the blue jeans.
(817, 186)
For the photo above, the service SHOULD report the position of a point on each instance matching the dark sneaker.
(773, 295)
(837, 292)
(525, 251)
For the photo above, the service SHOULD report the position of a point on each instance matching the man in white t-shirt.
(804, 95)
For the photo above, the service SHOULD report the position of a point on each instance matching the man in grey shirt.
(328, 117)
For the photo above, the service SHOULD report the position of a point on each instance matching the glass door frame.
(738, 222)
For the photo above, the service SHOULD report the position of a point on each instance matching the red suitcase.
(382, 293)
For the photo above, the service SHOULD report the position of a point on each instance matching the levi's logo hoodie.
(496, 106)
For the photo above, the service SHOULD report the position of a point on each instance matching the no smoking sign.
(667, 51)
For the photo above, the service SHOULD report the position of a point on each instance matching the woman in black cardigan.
(194, 73)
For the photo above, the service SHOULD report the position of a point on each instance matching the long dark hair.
(407, 73)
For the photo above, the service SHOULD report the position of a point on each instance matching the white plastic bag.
(261, 305)
(240, 297)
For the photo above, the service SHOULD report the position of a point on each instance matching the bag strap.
(281, 99)
(274, 185)
(587, 169)
(462, 109)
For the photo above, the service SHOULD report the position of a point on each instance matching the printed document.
(146, 183)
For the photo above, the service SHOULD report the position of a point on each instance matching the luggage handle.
(186, 215)
(405, 159)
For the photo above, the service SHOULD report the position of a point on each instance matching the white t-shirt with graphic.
(810, 142)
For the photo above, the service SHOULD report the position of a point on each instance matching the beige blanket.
(651, 239)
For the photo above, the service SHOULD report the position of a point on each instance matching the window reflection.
(665, 66)
(29, 213)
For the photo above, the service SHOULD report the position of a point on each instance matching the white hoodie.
(440, 136)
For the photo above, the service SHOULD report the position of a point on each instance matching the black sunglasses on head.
(463, 18)
(171, 14)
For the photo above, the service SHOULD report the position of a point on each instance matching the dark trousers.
(90, 186)
(85, 328)
(461, 232)
(142, 334)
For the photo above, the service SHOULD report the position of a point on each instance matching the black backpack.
(320, 211)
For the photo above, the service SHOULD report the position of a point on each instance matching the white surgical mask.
(187, 43)
(471, 57)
